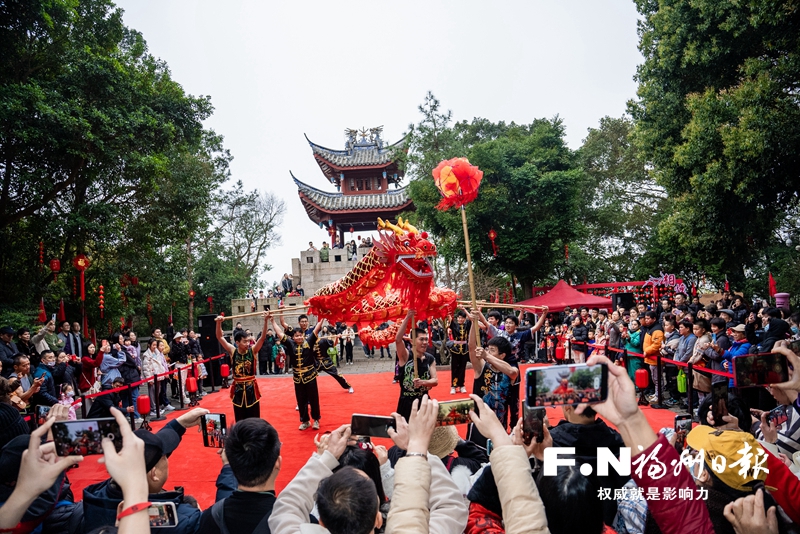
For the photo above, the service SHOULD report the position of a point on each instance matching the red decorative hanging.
(62, 316)
(102, 299)
(81, 263)
(41, 255)
(42, 312)
(210, 301)
(492, 237)
(55, 267)
(566, 253)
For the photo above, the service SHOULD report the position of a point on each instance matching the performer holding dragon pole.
(244, 393)
(300, 351)
(324, 362)
(417, 378)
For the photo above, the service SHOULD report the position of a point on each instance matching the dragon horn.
(384, 225)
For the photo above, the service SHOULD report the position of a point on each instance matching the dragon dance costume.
(245, 394)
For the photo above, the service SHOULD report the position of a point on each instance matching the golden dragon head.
(406, 246)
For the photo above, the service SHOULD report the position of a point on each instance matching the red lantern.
(143, 404)
(210, 301)
(55, 266)
(457, 181)
(352, 230)
(642, 378)
(41, 255)
(224, 370)
(191, 385)
(492, 237)
(191, 294)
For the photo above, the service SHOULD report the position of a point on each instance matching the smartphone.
(760, 370)
(371, 425)
(53, 317)
(532, 423)
(778, 415)
(683, 425)
(215, 429)
(489, 446)
(85, 436)
(455, 412)
(163, 515)
(558, 385)
(719, 402)
(41, 414)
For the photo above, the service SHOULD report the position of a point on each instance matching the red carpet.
(196, 467)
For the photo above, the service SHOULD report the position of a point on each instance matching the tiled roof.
(359, 156)
(391, 199)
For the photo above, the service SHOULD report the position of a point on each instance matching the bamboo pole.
(487, 304)
(469, 271)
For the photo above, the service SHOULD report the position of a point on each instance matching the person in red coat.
(89, 363)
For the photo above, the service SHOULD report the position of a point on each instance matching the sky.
(278, 70)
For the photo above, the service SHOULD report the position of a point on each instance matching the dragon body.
(394, 277)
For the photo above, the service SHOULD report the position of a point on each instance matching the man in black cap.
(100, 500)
(7, 350)
(728, 316)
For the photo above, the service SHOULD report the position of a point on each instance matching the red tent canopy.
(563, 295)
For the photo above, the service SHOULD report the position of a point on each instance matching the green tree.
(718, 120)
(530, 193)
(626, 205)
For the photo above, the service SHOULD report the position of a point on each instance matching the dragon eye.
(407, 243)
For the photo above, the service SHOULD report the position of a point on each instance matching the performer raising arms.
(412, 387)
(324, 362)
(300, 351)
(244, 393)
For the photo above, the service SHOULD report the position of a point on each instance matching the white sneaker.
(463, 389)
(296, 408)
(305, 425)
(350, 390)
(452, 391)
(315, 426)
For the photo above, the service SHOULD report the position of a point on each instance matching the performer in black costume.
(459, 353)
(324, 362)
(300, 351)
(413, 388)
(244, 393)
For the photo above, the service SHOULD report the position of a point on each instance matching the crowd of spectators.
(739, 474)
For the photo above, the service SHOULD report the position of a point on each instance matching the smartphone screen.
(371, 425)
(215, 429)
(41, 414)
(683, 425)
(566, 384)
(719, 402)
(532, 424)
(778, 416)
(760, 370)
(163, 515)
(85, 436)
(455, 412)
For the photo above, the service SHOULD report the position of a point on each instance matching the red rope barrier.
(140, 382)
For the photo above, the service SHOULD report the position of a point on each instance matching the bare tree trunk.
(447, 277)
(189, 279)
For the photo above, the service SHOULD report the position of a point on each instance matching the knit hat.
(11, 458)
(11, 424)
(157, 445)
(443, 441)
(730, 444)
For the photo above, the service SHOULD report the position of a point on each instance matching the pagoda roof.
(316, 200)
(360, 155)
